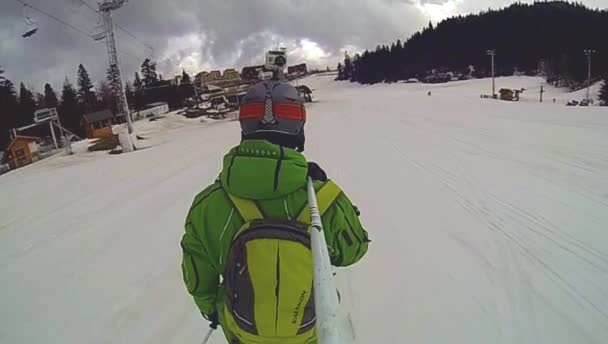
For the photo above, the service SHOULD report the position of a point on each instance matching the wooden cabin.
(205, 77)
(215, 75)
(23, 150)
(506, 94)
(231, 74)
(297, 70)
(99, 124)
(509, 94)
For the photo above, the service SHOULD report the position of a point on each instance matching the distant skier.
(246, 251)
(429, 94)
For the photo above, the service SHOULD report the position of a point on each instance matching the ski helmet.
(274, 110)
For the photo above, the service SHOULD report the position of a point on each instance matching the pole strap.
(326, 196)
(247, 208)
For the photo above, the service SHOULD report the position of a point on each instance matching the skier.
(246, 251)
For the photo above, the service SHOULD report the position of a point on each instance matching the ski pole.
(206, 339)
(326, 298)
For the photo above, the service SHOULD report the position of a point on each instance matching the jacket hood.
(259, 170)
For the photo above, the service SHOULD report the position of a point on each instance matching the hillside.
(548, 37)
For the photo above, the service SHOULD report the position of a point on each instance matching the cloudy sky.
(197, 35)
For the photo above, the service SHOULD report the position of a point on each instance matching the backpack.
(269, 275)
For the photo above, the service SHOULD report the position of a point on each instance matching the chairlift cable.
(88, 5)
(81, 31)
(134, 37)
(22, 2)
(120, 27)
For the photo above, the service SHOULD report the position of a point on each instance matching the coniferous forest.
(18, 103)
(544, 38)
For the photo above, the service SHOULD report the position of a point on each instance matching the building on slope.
(23, 150)
(297, 70)
(99, 124)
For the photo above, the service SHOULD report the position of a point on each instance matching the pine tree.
(107, 96)
(399, 45)
(86, 96)
(69, 109)
(186, 89)
(9, 103)
(604, 92)
(9, 106)
(130, 95)
(340, 72)
(137, 83)
(2, 78)
(50, 97)
(27, 106)
(148, 73)
(39, 100)
(348, 68)
(139, 100)
(354, 75)
(185, 77)
(114, 85)
(397, 62)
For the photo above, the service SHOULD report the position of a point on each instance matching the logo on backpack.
(296, 311)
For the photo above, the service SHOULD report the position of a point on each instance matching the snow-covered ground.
(489, 221)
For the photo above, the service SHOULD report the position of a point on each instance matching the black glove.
(213, 320)
(316, 172)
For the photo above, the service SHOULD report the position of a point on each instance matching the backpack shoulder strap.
(247, 208)
(326, 197)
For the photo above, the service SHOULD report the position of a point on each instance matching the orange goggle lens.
(280, 111)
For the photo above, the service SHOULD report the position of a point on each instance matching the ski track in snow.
(488, 222)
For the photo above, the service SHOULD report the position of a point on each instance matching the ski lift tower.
(106, 7)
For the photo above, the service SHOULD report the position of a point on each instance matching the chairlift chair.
(31, 25)
(99, 36)
(100, 33)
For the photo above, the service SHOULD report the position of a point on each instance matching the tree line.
(543, 38)
(17, 105)
(149, 87)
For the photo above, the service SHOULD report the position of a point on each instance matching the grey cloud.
(331, 24)
(235, 33)
(195, 34)
(433, 2)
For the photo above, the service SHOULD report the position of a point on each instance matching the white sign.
(44, 115)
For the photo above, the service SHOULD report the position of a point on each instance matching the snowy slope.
(594, 93)
(488, 221)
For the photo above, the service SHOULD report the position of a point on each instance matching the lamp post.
(492, 54)
(589, 52)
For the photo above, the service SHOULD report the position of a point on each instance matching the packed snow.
(488, 221)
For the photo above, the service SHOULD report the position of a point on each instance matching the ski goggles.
(294, 112)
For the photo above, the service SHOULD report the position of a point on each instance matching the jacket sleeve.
(200, 277)
(347, 239)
